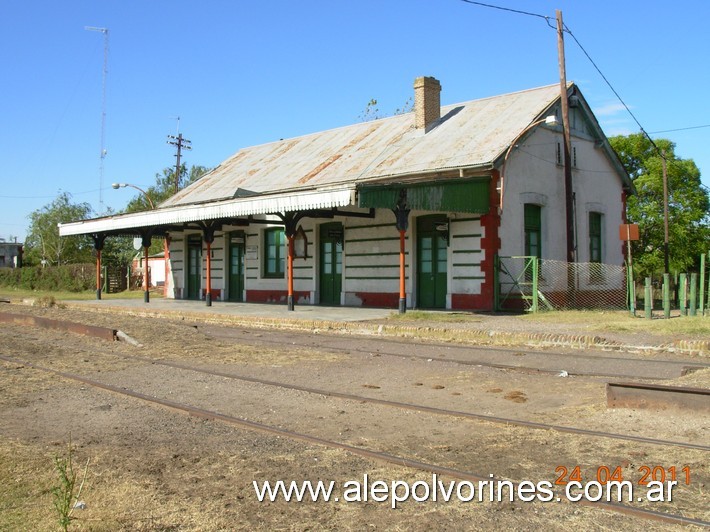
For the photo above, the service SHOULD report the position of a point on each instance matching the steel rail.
(494, 365)
(110, 334)
(476, 347)
(416, 407)
(422, 408)
(357, 451)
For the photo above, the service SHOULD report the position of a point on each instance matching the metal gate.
(516, 280)
(530, 284)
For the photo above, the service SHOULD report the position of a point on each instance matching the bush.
(65, 278)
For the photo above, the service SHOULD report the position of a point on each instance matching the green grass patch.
(622, 321)
(18, 294)
(440, 316)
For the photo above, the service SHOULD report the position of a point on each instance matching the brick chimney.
(427, 102)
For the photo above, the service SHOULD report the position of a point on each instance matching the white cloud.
(609, 109)
(613, 131)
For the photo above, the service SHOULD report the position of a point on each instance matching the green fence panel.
(693, 294)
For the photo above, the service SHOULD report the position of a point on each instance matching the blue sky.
(241, 73)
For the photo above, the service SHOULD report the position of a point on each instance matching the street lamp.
(550, 120)
(139, 189)
(146, 284)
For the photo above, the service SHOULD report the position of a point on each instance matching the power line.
(612, 89)
(678, 129)
(53, 195)
(506, 9)
(566, 29)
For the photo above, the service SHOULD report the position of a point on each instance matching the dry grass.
(26, 476)
(16, 295)
(194, 475)
(621, 321)
(438, 316)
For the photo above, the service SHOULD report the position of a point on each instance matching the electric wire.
(589, 57)
(507, 9)
(678, 129)
(606, 80)
(54, 195)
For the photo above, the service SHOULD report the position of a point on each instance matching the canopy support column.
(208, 236)
(290, 220)
(146, 241)
(289, 299)
(98, 246)
(401, 213)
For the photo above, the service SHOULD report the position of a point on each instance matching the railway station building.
(409, 211)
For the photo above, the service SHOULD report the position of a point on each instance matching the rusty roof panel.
(473, 133)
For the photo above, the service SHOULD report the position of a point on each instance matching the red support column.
(208, 295)
(402, 288)
(166, 260)
(289, 299)
(146, 273)
(98, 274)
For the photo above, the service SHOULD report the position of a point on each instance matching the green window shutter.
(274, 256)
(533, 230)
(595, 237)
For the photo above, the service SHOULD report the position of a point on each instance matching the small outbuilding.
(10, 254)
(407, 211)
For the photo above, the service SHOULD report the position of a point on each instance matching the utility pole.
(103, 113)
(181, 144)
(666, 254)
(569, 207)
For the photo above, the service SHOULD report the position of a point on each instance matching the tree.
(43, 244)
(688, 202)
(372, 112)
(165, 186)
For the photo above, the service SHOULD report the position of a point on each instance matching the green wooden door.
(236, 267)
(194, 267)
(331, 263)
(431, 262)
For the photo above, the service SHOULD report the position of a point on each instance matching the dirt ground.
(152, 468)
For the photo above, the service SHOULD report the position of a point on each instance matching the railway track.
(547, 362)
(413, 406)
(191, 410)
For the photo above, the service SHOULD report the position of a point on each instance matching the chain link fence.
(527, 283)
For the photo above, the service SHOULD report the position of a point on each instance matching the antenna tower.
(102, 155)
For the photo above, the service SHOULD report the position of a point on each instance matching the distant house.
(408, 210)
(156, 268)
(10, 254)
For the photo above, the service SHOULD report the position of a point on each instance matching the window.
(274, 252)
(533, 230)
(595, 237)
(533, 236)
(596, 275)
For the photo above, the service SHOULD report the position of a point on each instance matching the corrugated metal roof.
(469, 134)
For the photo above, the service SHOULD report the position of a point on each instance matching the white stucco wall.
(532, 175)
(370, 260)
(371, 257)
(177, 266)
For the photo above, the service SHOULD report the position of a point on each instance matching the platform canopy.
(179, 216)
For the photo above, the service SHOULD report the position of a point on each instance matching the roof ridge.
(393, 117)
